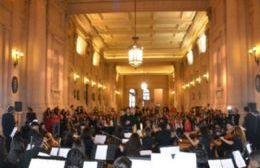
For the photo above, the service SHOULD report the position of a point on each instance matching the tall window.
(132, 94)
(146, 94)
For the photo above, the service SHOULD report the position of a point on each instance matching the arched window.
(132, 95)
(146, 94)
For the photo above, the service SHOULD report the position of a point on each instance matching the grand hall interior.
(129, 83)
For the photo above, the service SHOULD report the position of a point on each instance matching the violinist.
(238, 140)
(224, 143)
(204, 138)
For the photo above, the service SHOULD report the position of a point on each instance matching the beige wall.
(198, 94)
(233, 29)
(153, 81)
(43, 31)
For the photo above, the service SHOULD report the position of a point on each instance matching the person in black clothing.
(127, 121)
(87, 138)
(163, 136)
(37, 143)
(238, 141)
(147, 140)
(75, 159)
(133, 146)
(16, 152)
(234, 117)
(204, 138)
(8, 124)
(30, 116)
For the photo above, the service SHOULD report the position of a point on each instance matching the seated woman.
(163, 136)
(133, 146)
(75, 159)
(147, 140)
(204, 138)
(238, 141)
(16, 151)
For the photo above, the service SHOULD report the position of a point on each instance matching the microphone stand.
(58, 152)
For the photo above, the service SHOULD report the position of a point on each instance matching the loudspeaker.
(18, 106)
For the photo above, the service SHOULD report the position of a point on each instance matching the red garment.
(55, 119)
(48, 124)
(187, 126)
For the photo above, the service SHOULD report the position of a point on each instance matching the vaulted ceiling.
(167, 29)
(164, 35)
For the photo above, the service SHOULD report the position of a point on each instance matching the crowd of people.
(213, 133)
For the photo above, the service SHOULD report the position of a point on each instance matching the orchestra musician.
(237, 141)
(202, 137)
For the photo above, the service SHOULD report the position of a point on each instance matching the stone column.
(36, 57)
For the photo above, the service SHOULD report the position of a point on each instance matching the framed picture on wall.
(14, 84)
(257, 82)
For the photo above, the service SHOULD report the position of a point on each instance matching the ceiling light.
(190, 57)
(135, 53)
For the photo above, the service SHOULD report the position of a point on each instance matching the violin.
(51, 141)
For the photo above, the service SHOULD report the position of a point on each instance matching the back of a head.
(37, 139)
(122, 162)
(10, 109)
(75, 159)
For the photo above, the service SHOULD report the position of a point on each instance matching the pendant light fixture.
(135, 53)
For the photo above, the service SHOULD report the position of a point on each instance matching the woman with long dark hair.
(75, 159)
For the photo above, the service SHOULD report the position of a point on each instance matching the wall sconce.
(117, 92)
(206, 76)
(192, 83)
(173, 92)
(16, 55)
(86, 80)
(76, 76)
(100, 85)
(184, 87)
(187, 85)
(104, 87)
(93, 83)
(253, 52)
(198, 79)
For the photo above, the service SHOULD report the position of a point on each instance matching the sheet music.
(240, 162)
(184, 159)
(13, 132)
(125, 141)
(249, 148)
(127, 135)
(224, 163)
(158, 160)
(64, 152)
(215, 164)
(43, 163)
(89, 164)
(54, 152)
(170, 150)
(100, 139)
(43, 154)
(136, 163)
(227, 163)
(29, 147)
(145, 152)
(101, 152)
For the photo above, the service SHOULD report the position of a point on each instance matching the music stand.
(109, 155)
